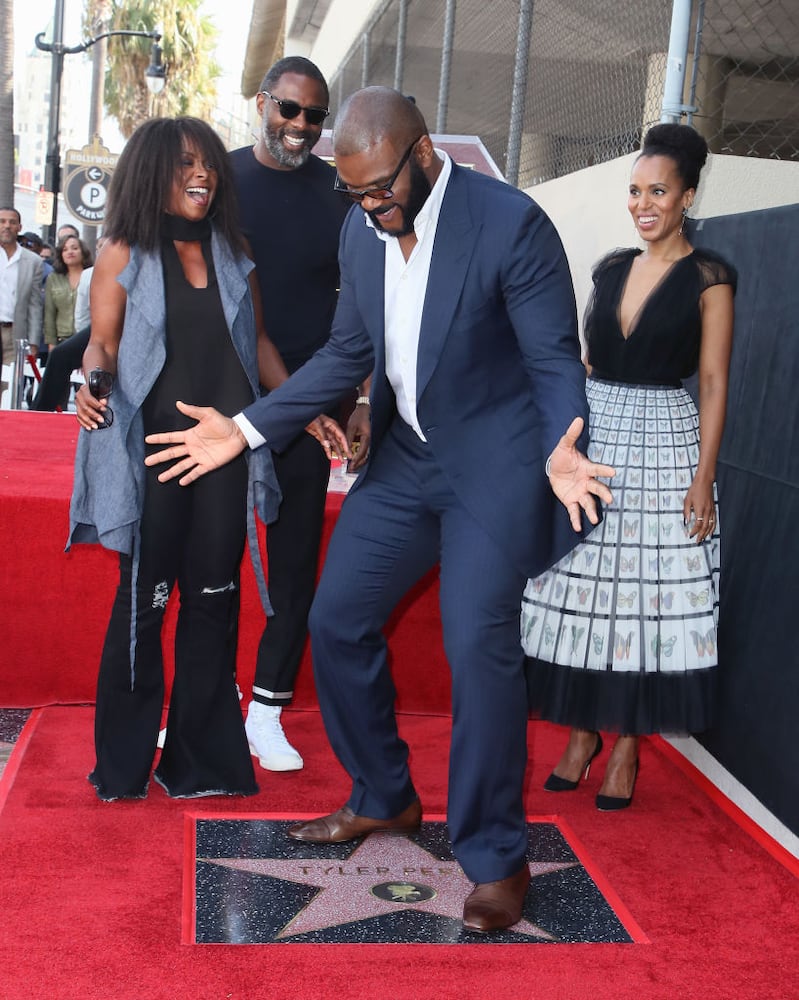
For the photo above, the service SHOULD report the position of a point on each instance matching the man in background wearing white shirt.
(20, 289)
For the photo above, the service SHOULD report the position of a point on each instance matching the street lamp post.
(155, 77)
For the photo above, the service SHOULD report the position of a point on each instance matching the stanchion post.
(22, 348)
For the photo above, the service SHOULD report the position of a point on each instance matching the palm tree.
(95, 22)
(188, 43)
(7, 102)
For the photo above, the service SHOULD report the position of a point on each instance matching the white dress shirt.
(405, 290)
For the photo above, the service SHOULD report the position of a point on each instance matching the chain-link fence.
(552, 86)
(747, 77)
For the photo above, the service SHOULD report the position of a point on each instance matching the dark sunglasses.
(290, 109)
(383, 192)
(101, 384)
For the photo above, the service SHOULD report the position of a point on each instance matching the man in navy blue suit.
(456, 293)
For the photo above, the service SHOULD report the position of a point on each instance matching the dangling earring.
(682, 222)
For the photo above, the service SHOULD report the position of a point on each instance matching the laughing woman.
(621, 634)
(172, 317)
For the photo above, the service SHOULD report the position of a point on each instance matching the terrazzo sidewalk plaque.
(248, 883)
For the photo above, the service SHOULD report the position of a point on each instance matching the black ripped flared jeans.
(193, 536)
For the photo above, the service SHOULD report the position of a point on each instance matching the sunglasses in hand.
(101, 384)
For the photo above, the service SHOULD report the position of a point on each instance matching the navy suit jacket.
(499, 376)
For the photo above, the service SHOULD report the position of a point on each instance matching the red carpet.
(91, 892)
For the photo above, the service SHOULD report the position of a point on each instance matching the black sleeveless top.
(201, 366)
(664, 340)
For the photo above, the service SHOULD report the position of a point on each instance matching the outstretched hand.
(573, 477)
(214, 440)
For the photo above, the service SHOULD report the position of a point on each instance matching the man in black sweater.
(291, 217)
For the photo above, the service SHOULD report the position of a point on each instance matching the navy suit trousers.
(399, 522)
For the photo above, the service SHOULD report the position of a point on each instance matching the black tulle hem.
(623, 702)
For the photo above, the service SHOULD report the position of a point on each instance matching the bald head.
(374, 115)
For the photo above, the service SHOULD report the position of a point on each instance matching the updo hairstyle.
(682, 144)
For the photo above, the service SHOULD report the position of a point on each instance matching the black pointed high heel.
(555, 783)
(612, 803)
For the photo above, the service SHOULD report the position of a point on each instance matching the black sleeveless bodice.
(663, 344)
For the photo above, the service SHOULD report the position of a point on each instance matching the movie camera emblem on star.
(403, 892)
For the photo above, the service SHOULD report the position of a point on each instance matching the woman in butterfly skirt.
(621, 634)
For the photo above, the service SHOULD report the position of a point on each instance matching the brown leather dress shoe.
(345, 825)
(494, 906)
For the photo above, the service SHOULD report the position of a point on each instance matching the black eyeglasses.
(384, 191)
(290, 109)
(101, 383)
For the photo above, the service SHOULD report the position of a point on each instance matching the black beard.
(273, 141)
(419, 193)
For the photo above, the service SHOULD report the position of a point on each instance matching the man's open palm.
(214, 440)
(573, 477)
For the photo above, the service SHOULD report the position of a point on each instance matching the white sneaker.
(268, 741)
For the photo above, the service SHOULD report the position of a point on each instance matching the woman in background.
(621, 634)
(61, 289)
(67, 356)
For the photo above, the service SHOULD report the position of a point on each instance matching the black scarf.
(175, 227)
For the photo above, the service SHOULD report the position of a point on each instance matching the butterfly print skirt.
(621, 633)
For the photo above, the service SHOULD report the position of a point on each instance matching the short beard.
(272, 139)
(419, 193)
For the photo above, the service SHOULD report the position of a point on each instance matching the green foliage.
(188, 44)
